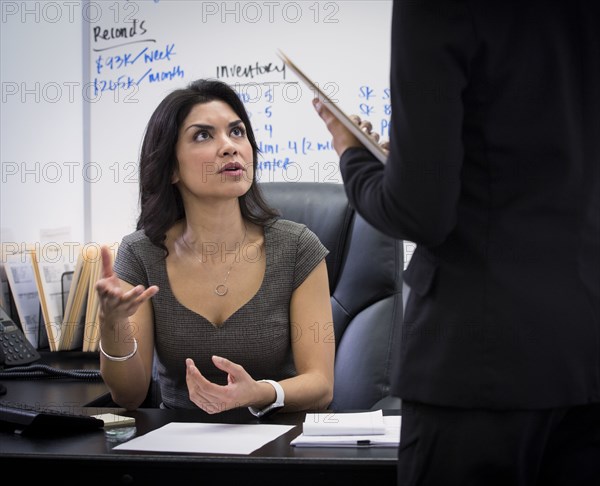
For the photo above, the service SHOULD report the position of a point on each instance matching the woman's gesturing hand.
(114, 303)
(241, 390)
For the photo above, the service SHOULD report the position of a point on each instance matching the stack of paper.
(50, 263)
(113, 420)
(71, 332)
(22, 282)
(349, 430)
(91, 335)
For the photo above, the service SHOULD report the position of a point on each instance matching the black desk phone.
(15, 349)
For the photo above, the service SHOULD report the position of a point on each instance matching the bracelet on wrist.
(273, 407)
(119, 358)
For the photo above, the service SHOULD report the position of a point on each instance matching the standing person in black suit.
(494, 171)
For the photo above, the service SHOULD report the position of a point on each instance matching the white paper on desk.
(206, 438)
(332, 423)
(391, 437)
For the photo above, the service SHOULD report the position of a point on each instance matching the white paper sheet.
(206, 438)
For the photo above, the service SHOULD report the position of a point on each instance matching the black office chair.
(365, 278)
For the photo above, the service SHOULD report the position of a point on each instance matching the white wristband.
(276, 405)
(119, 358)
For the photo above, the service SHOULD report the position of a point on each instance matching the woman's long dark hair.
(160, 200)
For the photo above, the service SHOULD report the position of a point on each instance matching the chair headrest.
(323, 207)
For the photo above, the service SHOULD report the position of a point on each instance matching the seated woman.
(224, 292)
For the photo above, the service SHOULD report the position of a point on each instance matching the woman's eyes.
(238, 132)
(202, 135)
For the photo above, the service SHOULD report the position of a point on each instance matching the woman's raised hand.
(115, 304)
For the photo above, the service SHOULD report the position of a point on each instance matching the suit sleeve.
(414, 195)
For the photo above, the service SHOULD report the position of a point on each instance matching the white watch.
(273, 407)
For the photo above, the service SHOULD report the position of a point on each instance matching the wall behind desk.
(134, 53)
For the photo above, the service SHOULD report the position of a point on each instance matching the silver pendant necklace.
(220, 289)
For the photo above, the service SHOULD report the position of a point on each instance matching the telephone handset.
(15, 349)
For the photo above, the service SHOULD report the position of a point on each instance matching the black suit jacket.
(494, 173)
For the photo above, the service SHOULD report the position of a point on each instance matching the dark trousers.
(442, 446)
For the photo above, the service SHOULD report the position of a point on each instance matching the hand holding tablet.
(363, 136)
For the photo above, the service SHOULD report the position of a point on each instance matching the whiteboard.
(140, 51)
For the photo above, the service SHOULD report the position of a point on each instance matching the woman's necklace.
(220, 289)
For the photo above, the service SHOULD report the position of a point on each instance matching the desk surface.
(89, 458)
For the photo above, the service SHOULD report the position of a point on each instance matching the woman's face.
(214, 155)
